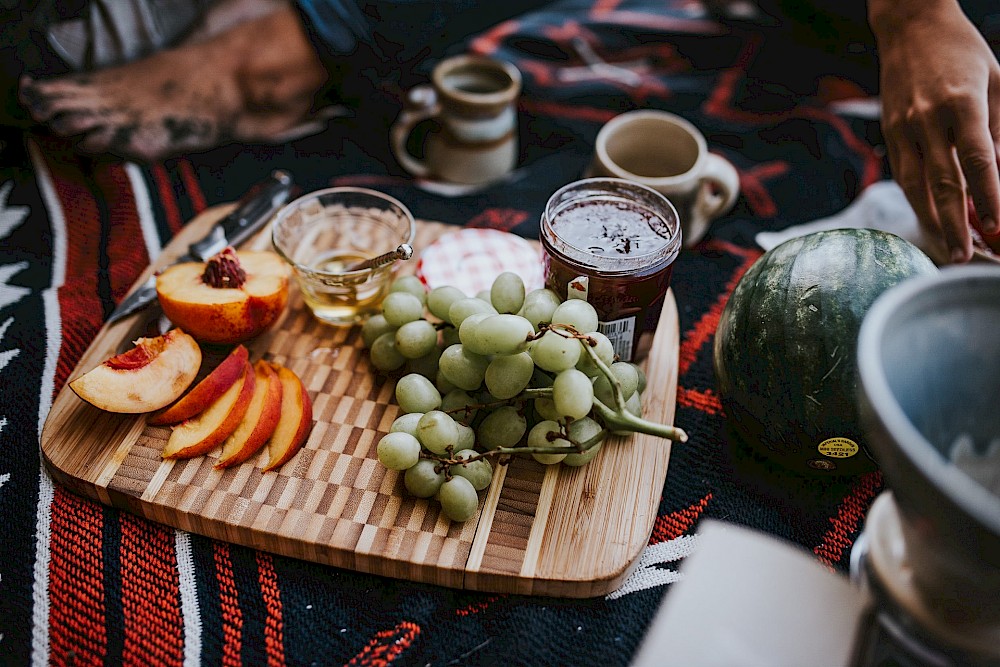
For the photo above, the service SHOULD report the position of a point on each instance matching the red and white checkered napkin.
(470, 259)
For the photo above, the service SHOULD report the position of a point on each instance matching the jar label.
(578, 288)
(838, 448)
(620, 333)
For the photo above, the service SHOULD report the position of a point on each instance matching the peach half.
(295, 422)
(205, 392)
(260, 421)
(151, 375)
(208, 429)
(231, 298)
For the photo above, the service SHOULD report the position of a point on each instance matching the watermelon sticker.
(838, 448)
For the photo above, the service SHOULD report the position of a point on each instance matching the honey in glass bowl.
(613, 243)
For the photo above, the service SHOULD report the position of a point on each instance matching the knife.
(260, 203)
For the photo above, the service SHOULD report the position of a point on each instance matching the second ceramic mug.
(474, 100)
(668, 154)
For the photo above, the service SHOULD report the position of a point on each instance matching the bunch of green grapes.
(501, 373)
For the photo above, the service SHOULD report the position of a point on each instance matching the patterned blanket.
(85, 584)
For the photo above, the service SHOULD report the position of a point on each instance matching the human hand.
(940, 89)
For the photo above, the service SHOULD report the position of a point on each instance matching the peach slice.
(148, 377)
(230, 298)
(296, 419)
(205, 392)
(260, 421)
(207, 430)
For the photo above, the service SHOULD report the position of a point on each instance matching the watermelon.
(785, 351)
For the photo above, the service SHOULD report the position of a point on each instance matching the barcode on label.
(620, 333)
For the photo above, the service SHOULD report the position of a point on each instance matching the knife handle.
(253, 210)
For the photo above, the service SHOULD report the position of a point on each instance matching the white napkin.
(882, 205)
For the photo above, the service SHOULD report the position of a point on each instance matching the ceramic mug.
(668, 154)
(474, 101)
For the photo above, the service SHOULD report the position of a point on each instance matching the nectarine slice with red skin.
(148, 377)
(295, 422)
(207, 430)
(260, 421)
(205, 392)
(225, 314)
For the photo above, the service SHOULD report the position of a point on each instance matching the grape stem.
(620, 418)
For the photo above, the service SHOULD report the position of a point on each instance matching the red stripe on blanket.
(839, 538)
(720, 104)
(79, 304)
(151, 604)
(77, 635)
(386, 646)
(704, 329)
(274, 640)
(167, 198)
(127, 256)
(232, 616)
(705, 400)
(192, 186)
(671, 526)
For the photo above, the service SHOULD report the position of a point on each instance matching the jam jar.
(613, 243)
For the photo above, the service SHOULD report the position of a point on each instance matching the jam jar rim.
(595, 189)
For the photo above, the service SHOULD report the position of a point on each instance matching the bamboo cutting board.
(540, 530)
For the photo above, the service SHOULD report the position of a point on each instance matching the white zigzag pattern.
(647, 575)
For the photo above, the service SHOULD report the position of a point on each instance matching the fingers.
(977, 155)
(906, 163)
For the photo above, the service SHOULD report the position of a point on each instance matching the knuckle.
(945, 186)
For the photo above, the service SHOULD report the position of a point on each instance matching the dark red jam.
(613, 243)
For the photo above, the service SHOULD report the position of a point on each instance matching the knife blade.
(253, 210)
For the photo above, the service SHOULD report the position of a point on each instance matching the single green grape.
(546, 409)
(507, 376)
(467, 333)
(423, 480)
(479, 472)
(462, 308)
(554, 352)
(539, 436)
(374, 327)
(398, 450)
(503, 427)
(415, 339)
(439, 300)
(415, 393)
(538, 306)
(383, 353)
(605, 352)
(627, 377)
(401, 307)
(507, 292)
(411, 285)
(642, 377)
(462, 368)
(582, 458)
(578, 314)
(458, 499)
(501, 334)
(573, 394)
(406, 423)
(443, 384)
(437, 431)
(466, 436)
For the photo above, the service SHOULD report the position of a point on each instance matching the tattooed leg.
(253, 81)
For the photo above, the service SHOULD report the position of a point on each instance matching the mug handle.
(421, 104)
(720, 173)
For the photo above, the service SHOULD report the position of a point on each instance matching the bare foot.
(255, 81)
